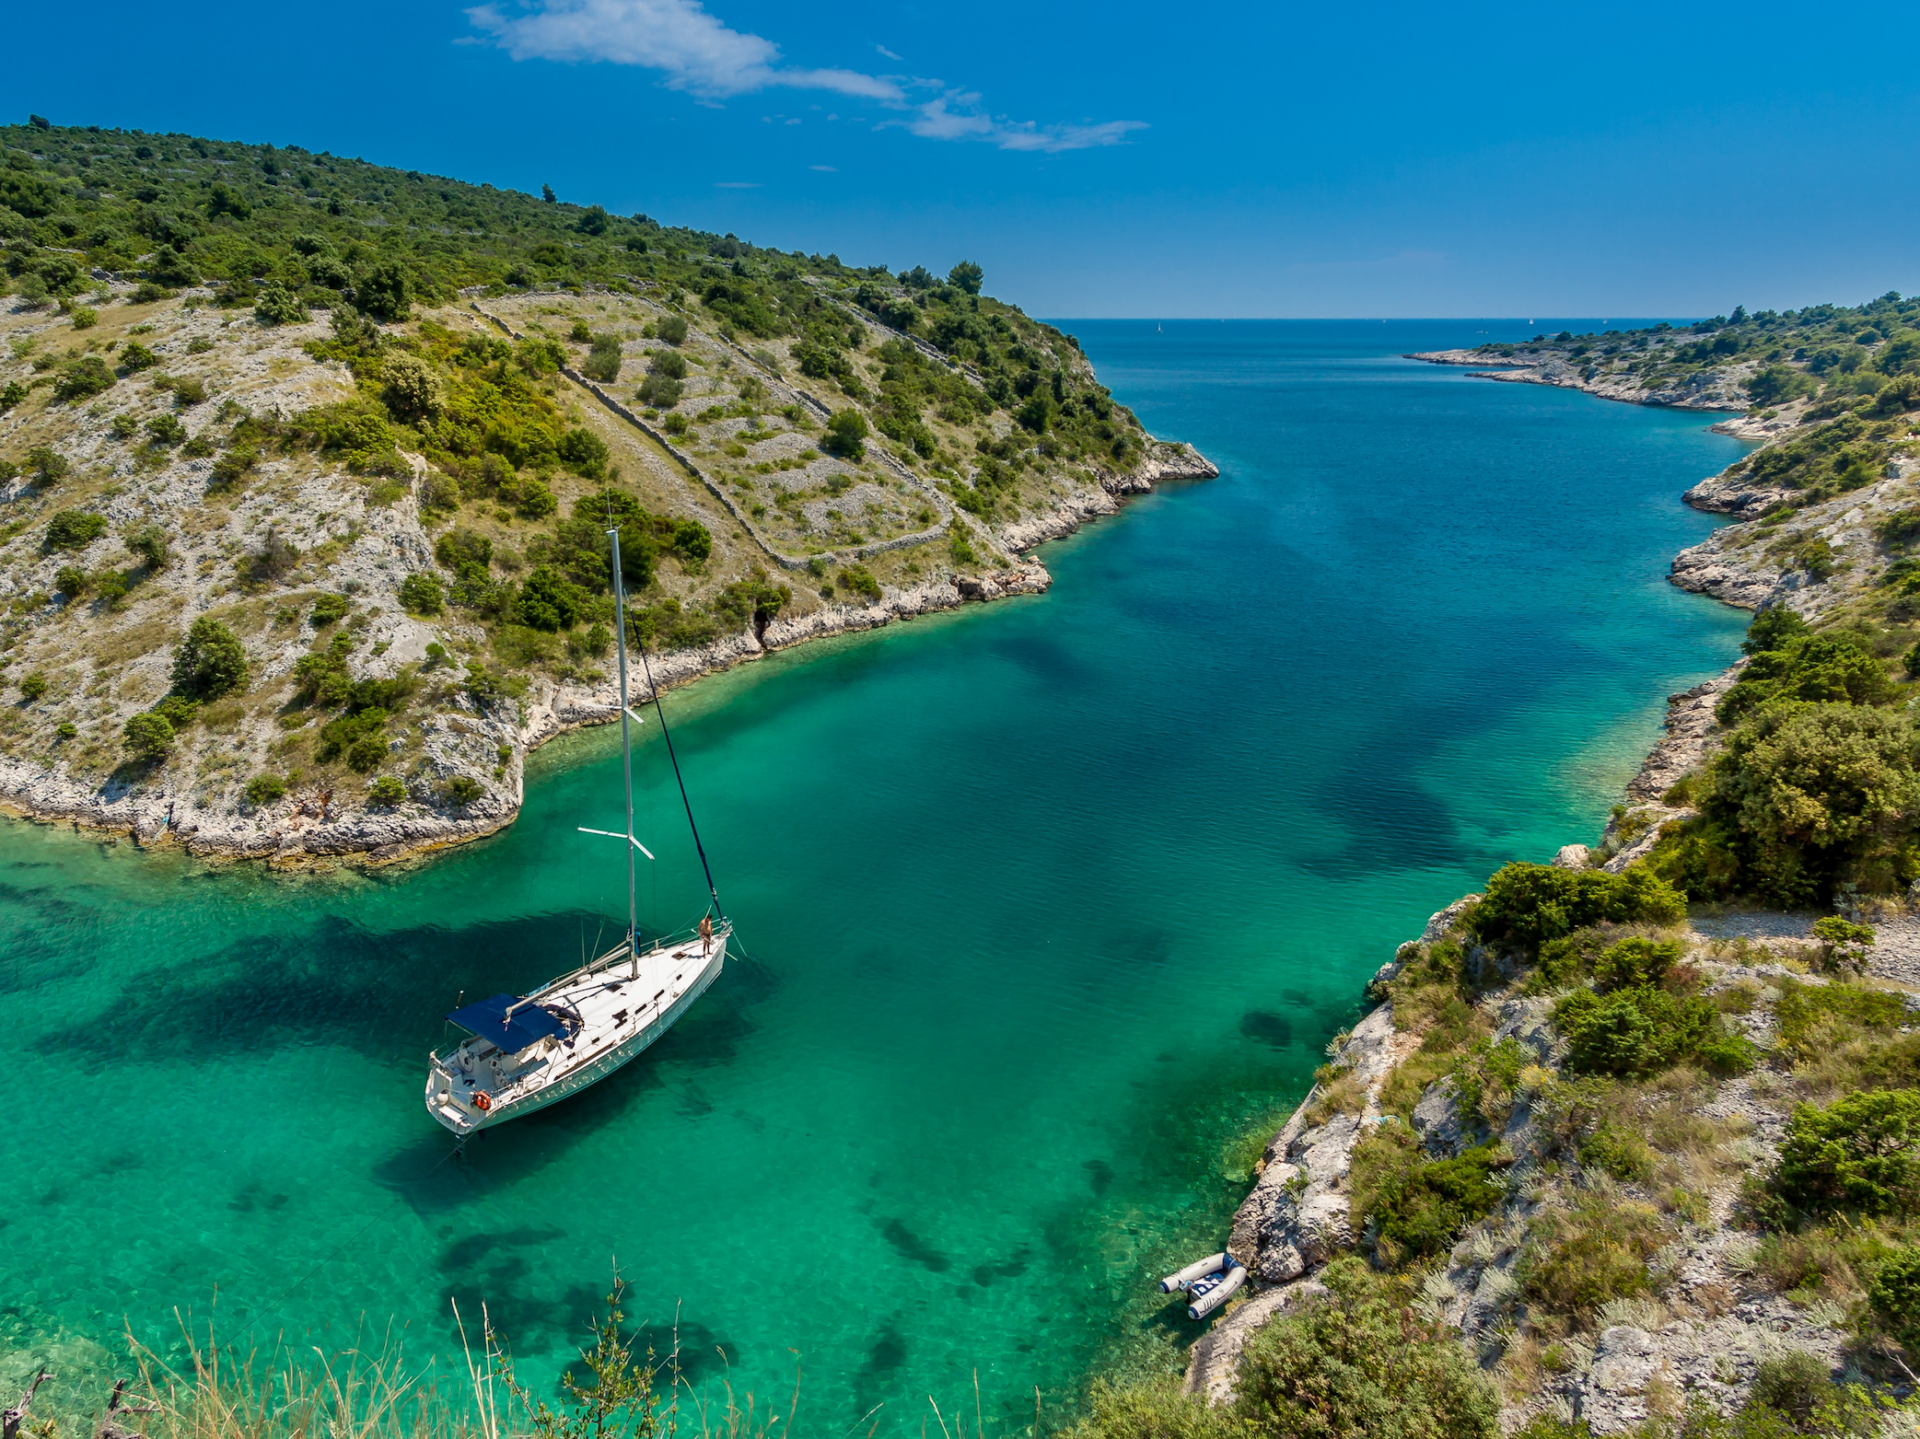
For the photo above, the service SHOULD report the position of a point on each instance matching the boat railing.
(721, 931)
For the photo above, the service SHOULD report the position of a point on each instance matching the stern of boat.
(450, 1095)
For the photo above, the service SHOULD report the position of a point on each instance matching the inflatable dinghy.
(1211, 1282)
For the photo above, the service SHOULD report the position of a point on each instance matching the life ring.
(481, 1102)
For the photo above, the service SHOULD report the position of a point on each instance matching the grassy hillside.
(308, 465)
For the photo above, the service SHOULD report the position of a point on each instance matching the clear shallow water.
(1045, 901)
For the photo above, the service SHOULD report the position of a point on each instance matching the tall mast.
(626, 748)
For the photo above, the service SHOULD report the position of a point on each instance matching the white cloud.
(702, 56)
(697, 52)
(825, 169)
(937, 120)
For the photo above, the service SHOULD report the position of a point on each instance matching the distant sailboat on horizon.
(524, 1053)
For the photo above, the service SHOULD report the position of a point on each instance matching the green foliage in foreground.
(1357, 1364)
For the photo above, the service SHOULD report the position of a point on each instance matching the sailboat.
(525, 1052)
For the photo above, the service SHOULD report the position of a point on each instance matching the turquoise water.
(1043, 901)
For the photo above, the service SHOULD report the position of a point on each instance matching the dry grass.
(216, 1392)
(1342, 1093)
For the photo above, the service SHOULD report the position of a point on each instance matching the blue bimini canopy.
(488, 1019)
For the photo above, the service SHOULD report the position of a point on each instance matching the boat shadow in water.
(512, 1274)
(377, 993)
(709, 1038)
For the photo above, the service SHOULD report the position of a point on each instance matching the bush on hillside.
(1418, 1206)
(211, 662)
(1578, 1259)
(1860, 1154)
(1634, 1032)
(1808, 796)
(1531, 903)
(74, 529)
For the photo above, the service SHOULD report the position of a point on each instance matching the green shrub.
(135, 357)
(166, 430)
(72, 581)
(1640, 1031)
(1531, 903)
(1844, 944)
(328, 609)
(1154, 1410)
(1615, 1149)
(1357, 1365)
(67, 729)
(264, 789)
(33, 687)
(846, 435)
(178, 711)
(584, 452)
(464, 552)
(211, 662)
(232, 467)
(859, 579)
(659, 392)
(668, 364)
(386, 792)
(360, 737)
(603, 362)
(84, 317)
(74, 529)
(1485, 1077)
(1578, 1259)
(422, 594)
(1634, 963)
(149, 545)
(460, 789)
(83, 378)
(672, 329)
(1818, 668)
(279, 305)
(1418, 1205)
(1861, 1154)
(47, 465)
(1813, 793)
(188, 391)
(148, 737)
(1810, 1019)
(549, 602)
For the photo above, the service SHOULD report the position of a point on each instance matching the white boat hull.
(612, 1034)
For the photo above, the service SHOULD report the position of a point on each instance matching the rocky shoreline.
(1719, 389)
(311, 836)
(1707, 1335)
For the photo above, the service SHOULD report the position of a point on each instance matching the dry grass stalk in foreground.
(219, 1393)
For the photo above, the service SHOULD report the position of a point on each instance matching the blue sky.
(1200, 159)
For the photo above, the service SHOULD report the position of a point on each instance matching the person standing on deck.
(706, 935)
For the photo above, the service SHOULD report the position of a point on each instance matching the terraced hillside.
(308, 465)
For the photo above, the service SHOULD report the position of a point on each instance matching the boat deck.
(614, 1007)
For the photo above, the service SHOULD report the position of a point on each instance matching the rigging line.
(667, 734)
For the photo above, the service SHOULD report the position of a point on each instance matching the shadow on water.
(379, 994)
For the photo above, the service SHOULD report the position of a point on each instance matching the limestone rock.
(1571, 856)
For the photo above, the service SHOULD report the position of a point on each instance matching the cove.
(1043, 903)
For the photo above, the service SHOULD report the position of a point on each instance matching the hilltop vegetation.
(363, 431)
(1829, 357)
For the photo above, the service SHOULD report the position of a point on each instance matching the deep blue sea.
(1044, 903)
